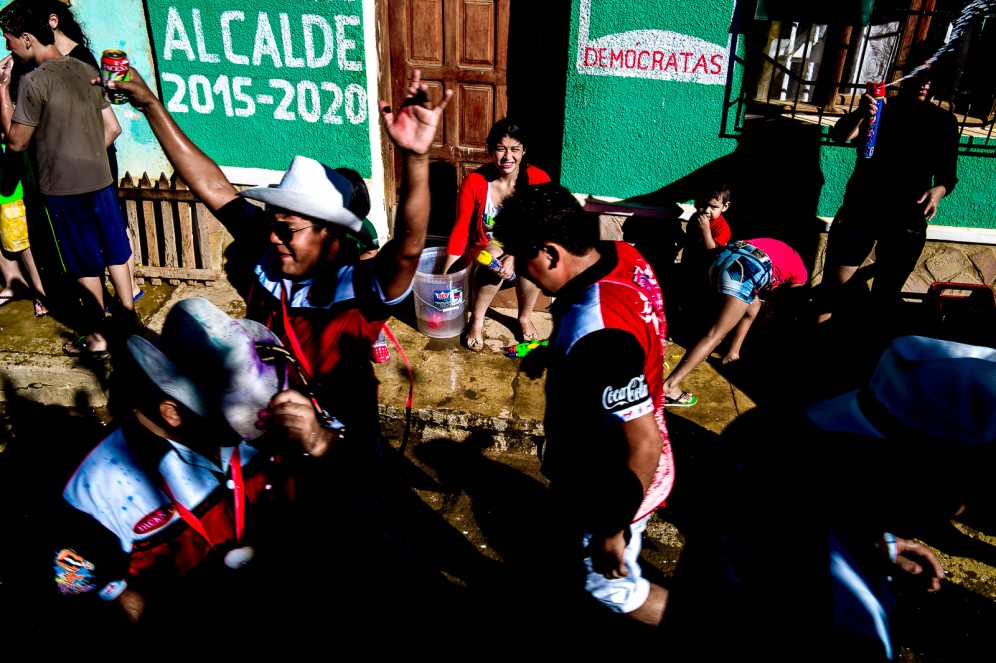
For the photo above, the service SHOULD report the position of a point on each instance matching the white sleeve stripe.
(634, 411)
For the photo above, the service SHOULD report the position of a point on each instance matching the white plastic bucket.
(440, 299)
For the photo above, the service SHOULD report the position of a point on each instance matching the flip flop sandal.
(475, 344)
(40, 310)
(684, 399)
(79, 348)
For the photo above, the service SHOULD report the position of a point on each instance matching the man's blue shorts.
(741, 270)
(90, 230)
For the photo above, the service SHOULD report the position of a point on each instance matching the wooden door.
(462, 45)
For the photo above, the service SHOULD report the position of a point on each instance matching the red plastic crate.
(964, 312)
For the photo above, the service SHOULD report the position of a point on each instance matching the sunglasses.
(282, 229)
(284, 232)
(284, 359)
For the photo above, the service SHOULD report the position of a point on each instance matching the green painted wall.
(255, 83)
(971, 205)
(324, 107)
(639, 112)
(836, 162)
(629, 131)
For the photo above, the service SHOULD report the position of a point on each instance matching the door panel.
(424, 36)
(476, 108)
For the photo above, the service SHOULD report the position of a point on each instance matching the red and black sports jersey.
(607, 367)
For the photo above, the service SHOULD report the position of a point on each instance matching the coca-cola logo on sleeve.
(634, 392)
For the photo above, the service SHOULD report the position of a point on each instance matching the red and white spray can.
(877, 91)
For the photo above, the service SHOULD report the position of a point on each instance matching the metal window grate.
(817, 72)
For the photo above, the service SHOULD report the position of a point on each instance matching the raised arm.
(412, 129)
(848, 127)
(200, 173)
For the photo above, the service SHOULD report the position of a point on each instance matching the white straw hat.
(312, 189)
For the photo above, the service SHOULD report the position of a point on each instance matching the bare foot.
(729, 359)
(7, 295)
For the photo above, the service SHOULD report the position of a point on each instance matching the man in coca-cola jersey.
(607, 453)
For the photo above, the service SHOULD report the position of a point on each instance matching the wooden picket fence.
(175, 234)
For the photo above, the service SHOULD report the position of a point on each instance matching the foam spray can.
(114, 66)
(877, 91)
(492, 263)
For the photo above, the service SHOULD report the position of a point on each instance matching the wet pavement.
(468, 459)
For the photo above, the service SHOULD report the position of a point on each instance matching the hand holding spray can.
(114, 66)
(877, 91)
(492, 263)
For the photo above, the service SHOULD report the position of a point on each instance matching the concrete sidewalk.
(456, 391)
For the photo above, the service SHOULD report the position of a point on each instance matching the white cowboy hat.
(932, 388)
(312, 189)
(208, 361)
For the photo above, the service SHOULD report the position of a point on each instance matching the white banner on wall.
(657, 54)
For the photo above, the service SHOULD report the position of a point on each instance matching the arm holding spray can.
(502, 268)
(850, 125)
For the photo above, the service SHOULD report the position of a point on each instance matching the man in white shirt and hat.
(326, 305)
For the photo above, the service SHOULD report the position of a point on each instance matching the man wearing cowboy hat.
(186, 493)
(324, 304)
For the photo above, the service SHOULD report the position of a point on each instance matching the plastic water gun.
(492, 263)
(522, 349)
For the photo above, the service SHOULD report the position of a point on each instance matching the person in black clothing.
(892, 195)
(863, 486)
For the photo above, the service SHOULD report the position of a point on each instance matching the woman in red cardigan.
(481, 196)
